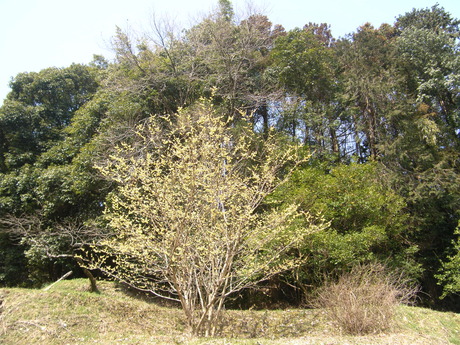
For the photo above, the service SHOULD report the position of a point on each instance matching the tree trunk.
(263, 111)
(334, 141)
(89, 275)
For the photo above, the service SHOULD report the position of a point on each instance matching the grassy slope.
(67, 314)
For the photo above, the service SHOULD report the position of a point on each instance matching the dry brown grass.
(364, 301)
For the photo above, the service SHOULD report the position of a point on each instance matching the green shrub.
(449, 275)
(368, 221)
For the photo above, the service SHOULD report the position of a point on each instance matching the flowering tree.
(186, 214)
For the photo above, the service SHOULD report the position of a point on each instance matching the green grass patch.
(68, 314)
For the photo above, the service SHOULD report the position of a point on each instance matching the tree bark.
(89, 275)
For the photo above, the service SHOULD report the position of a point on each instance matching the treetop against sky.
(52, 33)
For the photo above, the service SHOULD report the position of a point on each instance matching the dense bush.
(368, 221)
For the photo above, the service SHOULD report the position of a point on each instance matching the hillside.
(68, 314)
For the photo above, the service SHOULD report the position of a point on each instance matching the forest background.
(375, 112)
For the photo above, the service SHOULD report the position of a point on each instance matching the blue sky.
(35, 34)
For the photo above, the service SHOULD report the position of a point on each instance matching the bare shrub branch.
(363, 301)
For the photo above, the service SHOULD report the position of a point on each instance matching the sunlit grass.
(68, 314)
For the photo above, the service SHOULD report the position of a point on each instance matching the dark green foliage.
(39, 106)
(226, 9)
(13, 263)
(303, 65)
(421, 153)
(449, 275)
(367, 220)
(435, 19)
(46, 124)
(42, 135)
